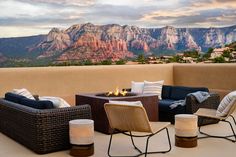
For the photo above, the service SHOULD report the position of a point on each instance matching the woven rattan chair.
(129, 118)
(211, 113)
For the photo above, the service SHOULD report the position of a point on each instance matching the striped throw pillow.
(153, 87)
(226, 103)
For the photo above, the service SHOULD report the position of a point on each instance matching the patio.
(206, 147)
(47, 81)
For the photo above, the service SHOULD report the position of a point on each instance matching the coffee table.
(101, 124)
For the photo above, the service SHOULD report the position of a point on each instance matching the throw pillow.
(16, 98)
(57, 101)
(134, 103)
(226, 104)
(137, 87)
(153, 87)
(24, 92)
(37, 104)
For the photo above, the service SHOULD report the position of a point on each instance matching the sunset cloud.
(42, 15)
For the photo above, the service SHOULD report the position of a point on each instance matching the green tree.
(141, 59)
(226, 53)
(193, 54)
(106, 62)
(177, 59)
(120, 62)
(88, 62)
(210, 50)
(220, 59)
(207, 55)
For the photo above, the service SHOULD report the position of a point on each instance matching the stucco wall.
(67, 81)
(220, 78)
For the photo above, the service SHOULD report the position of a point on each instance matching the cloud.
(194, 13)
(62, 2)
(45, 14)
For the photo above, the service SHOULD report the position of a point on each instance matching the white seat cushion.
(131, 103)
(153, 87)
(226, 103)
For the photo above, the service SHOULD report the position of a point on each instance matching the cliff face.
(100, 42)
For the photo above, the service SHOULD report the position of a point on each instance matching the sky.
(33, 17)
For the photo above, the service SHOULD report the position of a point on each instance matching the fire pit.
(97, 101)
(117, 93)
(113, 95)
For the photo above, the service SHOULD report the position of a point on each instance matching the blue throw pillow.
(16, 98)
(41, 104)
(166, 91)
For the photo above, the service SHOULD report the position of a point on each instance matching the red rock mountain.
(101, 42)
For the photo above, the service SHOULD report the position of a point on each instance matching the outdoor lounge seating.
(41, 130)
(170, 94)
(132, 118)
(214, 114)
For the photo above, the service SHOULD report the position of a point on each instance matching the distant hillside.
(101, 42)
(19, 47)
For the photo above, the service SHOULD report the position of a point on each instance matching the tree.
(210, 50)
(120, 62)
(226, 53)
(88, 62)
(106, 62)
(141, 59)
(207, 55)
(220, 59)
(193, 54)
(176, 59)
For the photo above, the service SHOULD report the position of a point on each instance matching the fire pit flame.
(117, 92)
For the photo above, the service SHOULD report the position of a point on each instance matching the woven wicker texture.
(211, 103)
(42, 131)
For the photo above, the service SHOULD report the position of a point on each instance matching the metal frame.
(135, 147)
(224, 137)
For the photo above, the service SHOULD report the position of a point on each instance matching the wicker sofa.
(41, 130)
(175, 93)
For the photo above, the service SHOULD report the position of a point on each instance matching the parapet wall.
(67, 81)
(220, 78)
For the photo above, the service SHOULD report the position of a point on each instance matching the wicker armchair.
(192, 105)
(42, 131)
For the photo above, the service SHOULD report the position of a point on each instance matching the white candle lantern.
(186, 130)
(82, 137)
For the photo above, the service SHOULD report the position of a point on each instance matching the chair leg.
(168, 136)
(225, 137)
(131, 136)
(146, 148)
(233, 119)
(109, 146)
(232, 131)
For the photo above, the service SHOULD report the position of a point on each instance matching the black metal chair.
(129, 118)
(211, 113)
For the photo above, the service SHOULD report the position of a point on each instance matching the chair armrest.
(192, 105)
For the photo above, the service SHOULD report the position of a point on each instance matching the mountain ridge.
(112, 41)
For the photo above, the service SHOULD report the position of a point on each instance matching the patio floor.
(206, 147)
